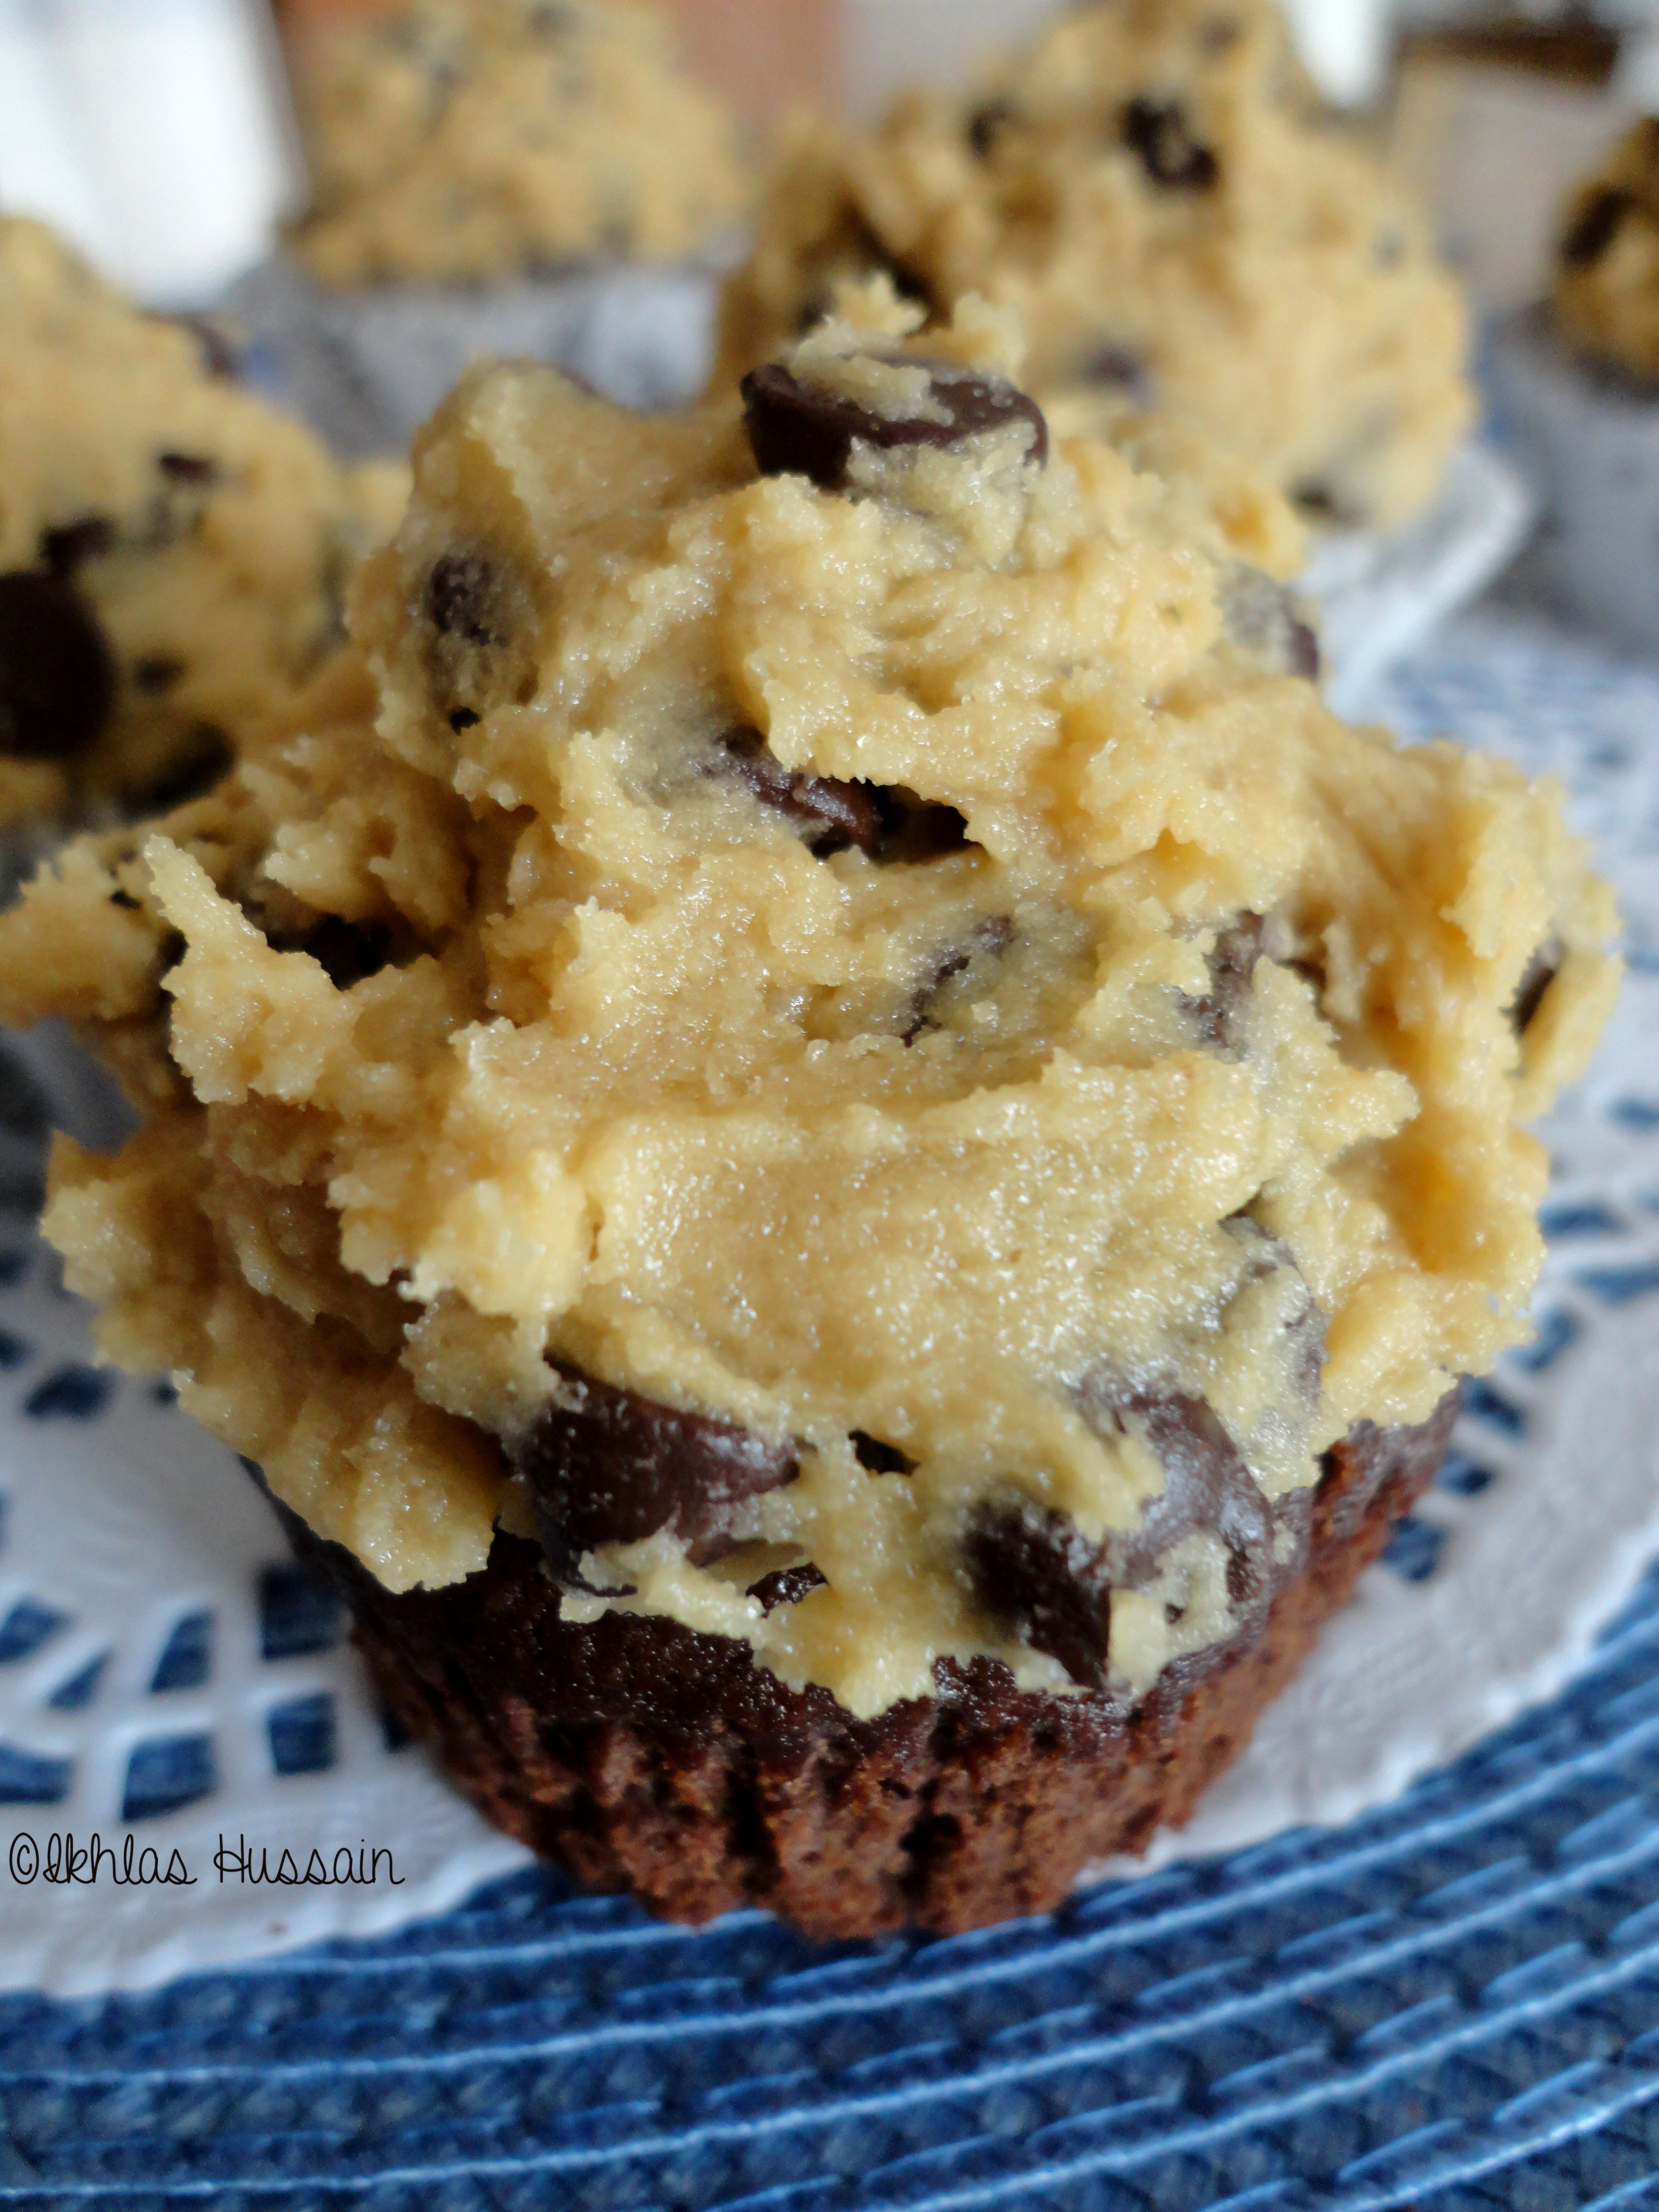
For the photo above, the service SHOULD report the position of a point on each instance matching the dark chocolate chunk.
(195, 469)
(988, 940)
(609, 1467)
(1207, 1486)
(1595, 227)
(787, 1586)
(987, 125)
(156, 672)
(57, 675)
(800, 429)
(194, 770)
(458, 598)
(462, 720)
(64, 547)
(836, 815)
(1232, 964)
(1034, 1567)
(1159, 131)
(125, 901)
(880, 1458)
(1544, 967)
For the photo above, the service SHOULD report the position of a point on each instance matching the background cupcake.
(1578, 377)
(173, 553)
(500, 176)
(1151, 188)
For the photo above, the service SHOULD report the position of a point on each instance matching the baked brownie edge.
(641, 1755)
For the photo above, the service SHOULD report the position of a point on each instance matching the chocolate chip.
(836, 815)
(916, 829)
(1261, 616)
(879, 1458)
(458, 598)
(206, 757)
(1119, 368)
(156, 672)
(125, 901)
(987, 125)
(609, 1467)
(1323, 504)
(57, 675)
(1034, 1568)
(347, 951)
(1159, 131)
(988, 940)
(1595, 227)
(1544, 967)
(787, 1586)
(64, 547)
(797, 428)
(462, 720)
(864, 244)
(219, 356)
(195, 469)
(1216, 1018)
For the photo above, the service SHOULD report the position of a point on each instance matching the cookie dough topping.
(1607, 275)
(1152, 190)
(174, 555)
(456, 140)
(812, 1023)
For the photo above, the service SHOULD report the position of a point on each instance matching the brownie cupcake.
(1578, 379)
(535, 177)
(837, 1151)
(1152, 187)
(174, 555)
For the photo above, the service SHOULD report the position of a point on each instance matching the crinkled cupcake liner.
(367, 368)
(1591, 442)
(1380, 594)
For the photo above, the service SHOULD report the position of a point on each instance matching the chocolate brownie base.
(641, 1755)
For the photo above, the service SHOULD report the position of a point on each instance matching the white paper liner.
(367, 368)
(1593, 446)
(1380, 594)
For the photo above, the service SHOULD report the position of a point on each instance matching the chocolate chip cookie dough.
(1606, 273)
(456, 140)
(814, 1078)
(174, 555)
(1151, 188)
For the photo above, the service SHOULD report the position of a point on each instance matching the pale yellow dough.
(217, 536)
(649, 1084)
(1276, 289)
(456, 140)
(1606, 269)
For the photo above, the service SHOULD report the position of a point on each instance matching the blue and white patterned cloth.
(1453, 2003)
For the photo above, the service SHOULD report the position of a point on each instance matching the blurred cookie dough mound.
(1153, 188)
(174, 555)
(1607, 275)
(459, 140)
